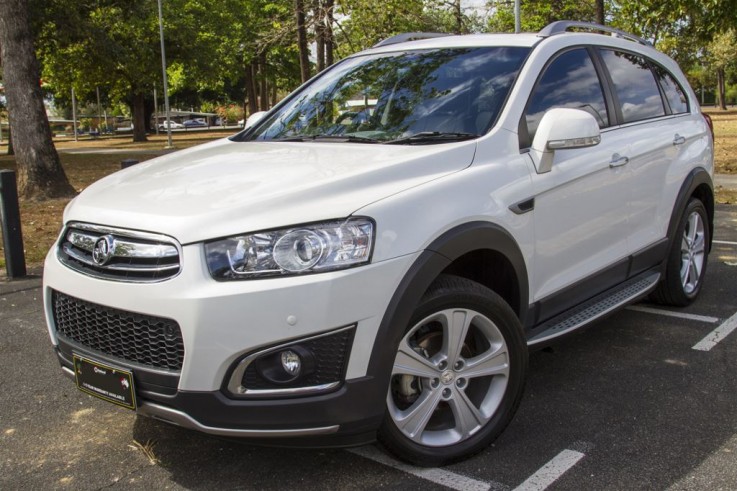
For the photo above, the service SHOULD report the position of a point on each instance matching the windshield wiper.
(328, 138)
(433, 137)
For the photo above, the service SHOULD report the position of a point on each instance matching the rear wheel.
(458, 375)
(687, 258)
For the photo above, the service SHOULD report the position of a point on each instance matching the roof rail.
(562, 26)
(409, 36)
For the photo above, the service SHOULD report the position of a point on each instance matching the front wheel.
(458, 375)
(687, 259)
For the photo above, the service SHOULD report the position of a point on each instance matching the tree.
(721, 55)
(116, 45)
(366, 22)
(536, 14)
(304, 59)
(600, 12)
(40, 174)
(694, 32)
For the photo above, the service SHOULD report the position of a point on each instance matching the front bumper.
(223, 322)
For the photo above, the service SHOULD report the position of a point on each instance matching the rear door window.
(635, 86)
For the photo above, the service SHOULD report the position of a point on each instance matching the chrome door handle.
(679, 140)
(618, 161)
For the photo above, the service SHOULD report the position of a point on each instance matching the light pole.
(166, 83)
(517, 22)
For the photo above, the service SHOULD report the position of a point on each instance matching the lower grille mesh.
(144, 339)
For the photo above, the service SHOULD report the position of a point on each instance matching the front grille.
(119, 254)
(152, 341)
(330, 352)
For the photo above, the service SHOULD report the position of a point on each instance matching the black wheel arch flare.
(698, 183)
(440, 254)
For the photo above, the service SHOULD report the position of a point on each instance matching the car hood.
(224, 187)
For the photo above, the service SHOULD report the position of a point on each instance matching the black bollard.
(15, 259)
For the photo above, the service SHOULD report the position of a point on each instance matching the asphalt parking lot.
(645, 399)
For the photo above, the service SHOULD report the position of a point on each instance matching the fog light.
(286, 366)
(291, 362)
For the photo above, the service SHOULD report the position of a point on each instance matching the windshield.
(383, 98)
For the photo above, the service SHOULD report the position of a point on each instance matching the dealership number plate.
(108, 383)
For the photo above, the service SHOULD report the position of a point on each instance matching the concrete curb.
(727, 181)
(29, 282)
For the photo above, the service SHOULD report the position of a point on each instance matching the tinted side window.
(674, 93)
(569, 81)
(635, 86)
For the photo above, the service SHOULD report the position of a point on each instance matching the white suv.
(376, 255)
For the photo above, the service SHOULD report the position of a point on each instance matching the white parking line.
(438, 476)
(724, 242)
(551, 471)
(670, 313)
(717, 334)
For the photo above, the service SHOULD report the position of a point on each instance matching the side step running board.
(596, 307)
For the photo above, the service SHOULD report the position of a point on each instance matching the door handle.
(679, 140)
(618, 161)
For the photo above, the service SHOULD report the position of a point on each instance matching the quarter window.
(569, 81)
(673, 92)
(635, 86)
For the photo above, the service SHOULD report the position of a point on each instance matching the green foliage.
(722, 51)
(536, 14)
(366, 22)
(211, 45)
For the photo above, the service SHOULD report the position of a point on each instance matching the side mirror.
(254, 118)
(562, 128)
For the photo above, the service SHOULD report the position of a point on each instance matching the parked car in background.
(172, 124)
(375, 256)
(194, 123)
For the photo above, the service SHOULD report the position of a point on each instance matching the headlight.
(297, 250)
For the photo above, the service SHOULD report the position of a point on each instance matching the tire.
(687, 258)
(458, 376)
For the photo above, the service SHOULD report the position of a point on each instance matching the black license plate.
(109, 383)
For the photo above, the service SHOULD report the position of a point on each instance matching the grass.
(725, 150)
(148, 450)
(41, 222)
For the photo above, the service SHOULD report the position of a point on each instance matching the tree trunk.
(721, 92)
(458, 14)
(304, 57)
(148, 112)
(139, 118)
(40, 174)
(600, 12)
(251, 88)
(264, 88)
(320, 35)
(329, 35)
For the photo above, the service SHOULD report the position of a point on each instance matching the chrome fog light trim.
(235, 386)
